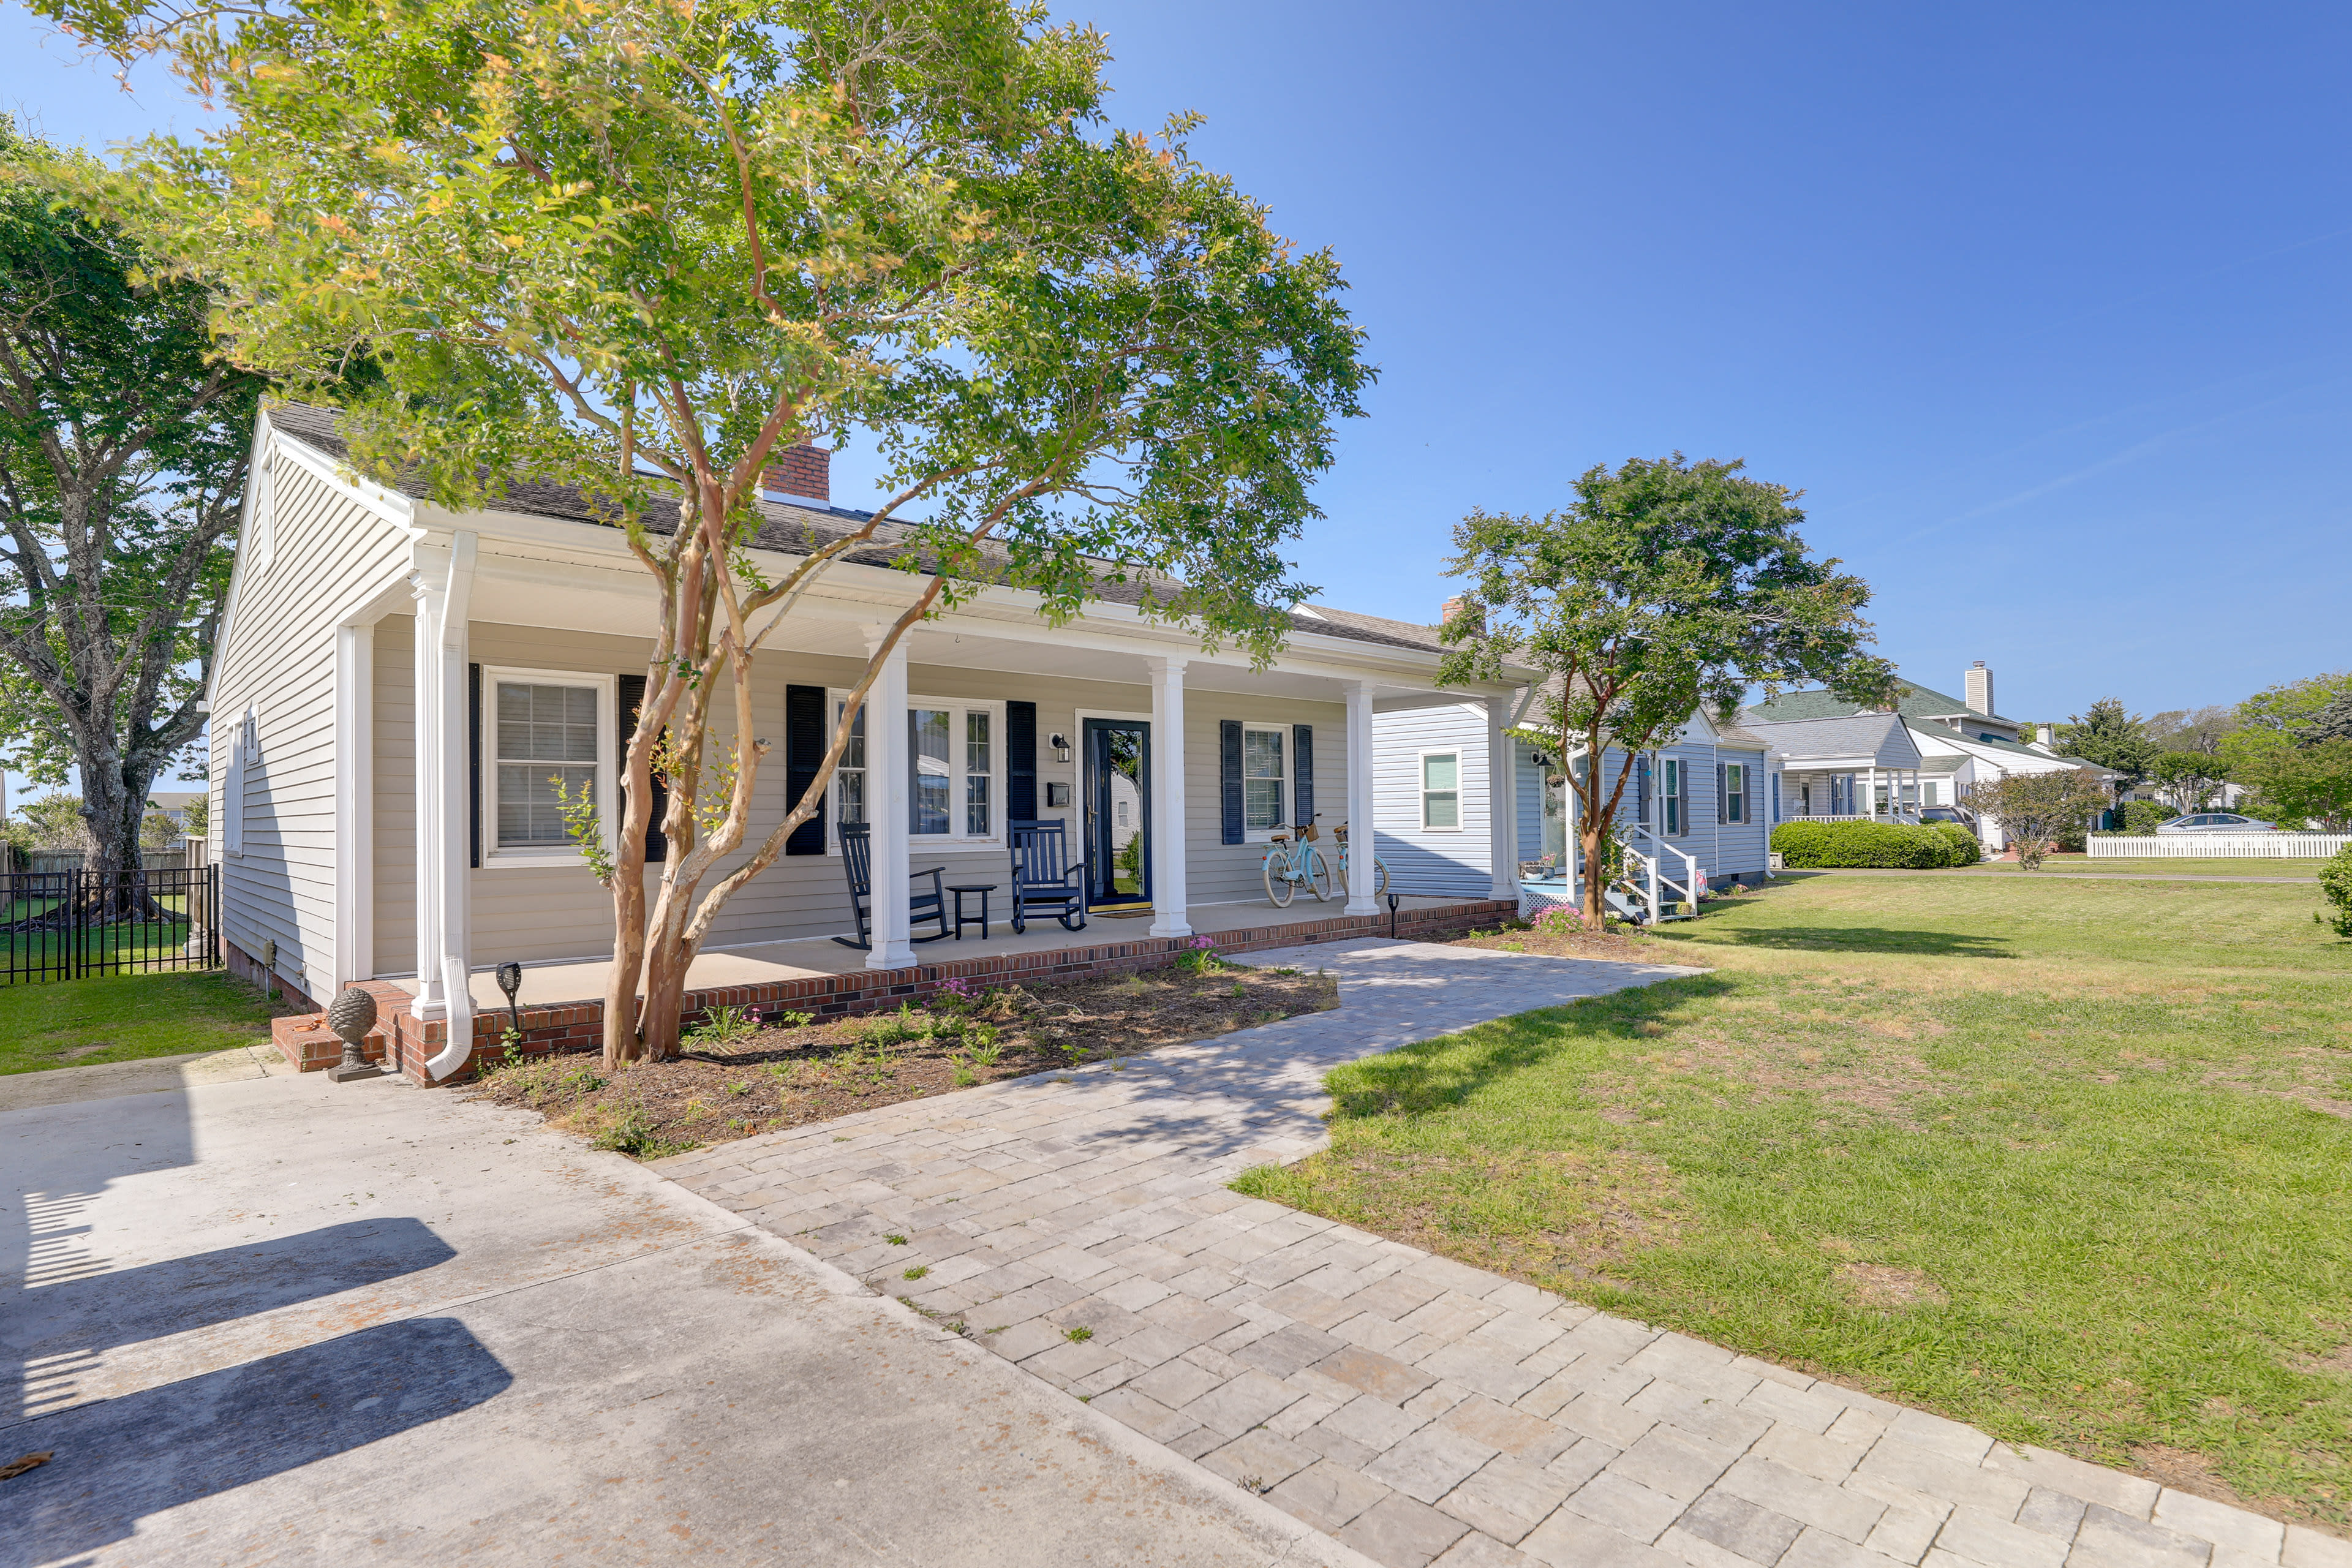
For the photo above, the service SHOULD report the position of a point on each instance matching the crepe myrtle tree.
(1664, 585)
(2036, 810)
(634, 245)
(123, 438)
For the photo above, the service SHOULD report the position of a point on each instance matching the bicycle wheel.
(1379, 878)
(1318, 875)
(1278, 885)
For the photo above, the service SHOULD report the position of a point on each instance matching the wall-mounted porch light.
(1061, 745)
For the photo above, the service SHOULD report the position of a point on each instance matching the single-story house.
(1703, 802)
(397, 687)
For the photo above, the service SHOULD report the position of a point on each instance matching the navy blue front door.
(1118, 810)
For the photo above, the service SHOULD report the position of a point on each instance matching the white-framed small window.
(546, 736)
(1670, 797)
(1441, 792)
(1734, 792)
(244, 747)
(1265, 781)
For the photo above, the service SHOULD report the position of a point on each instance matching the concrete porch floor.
(545, 985)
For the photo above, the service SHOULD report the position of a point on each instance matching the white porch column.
(1502, 799)
(1870, 795)
(354, 791)
(1363, 839)
(425, 686)
(887, 809)
(1166, 817)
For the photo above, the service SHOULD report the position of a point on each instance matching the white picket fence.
(2215, 845)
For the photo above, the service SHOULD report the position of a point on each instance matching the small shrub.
(2141, 816)
(2335, 883)
(1199, 956)
(634, 1133)
(1964, 849)
(723, 1026)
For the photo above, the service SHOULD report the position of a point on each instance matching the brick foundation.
(580, 1026)
(247, 968)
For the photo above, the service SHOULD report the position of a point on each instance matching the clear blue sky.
(2043, 307)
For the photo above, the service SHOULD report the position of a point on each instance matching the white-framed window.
(1734, 792)
(1670, 797)
(956, 748)
(848, 787)
(1441, 792)
(1265, 781)
(546, 734)
(1927, 793)
(244, 747)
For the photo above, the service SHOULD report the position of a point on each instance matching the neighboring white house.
(1708, 793)
(396, 686)
(1845, 761)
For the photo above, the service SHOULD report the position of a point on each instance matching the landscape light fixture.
(509, 976)
(1392, 910)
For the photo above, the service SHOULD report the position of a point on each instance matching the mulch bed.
(736, 1078)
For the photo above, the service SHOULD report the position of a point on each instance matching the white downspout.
(455, 950)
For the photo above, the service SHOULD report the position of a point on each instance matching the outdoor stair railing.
(1660, 880)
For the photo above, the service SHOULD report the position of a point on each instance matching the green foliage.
(2038, 810)
(2109, 738)
(723, 1026)
(2142, 816)
(2297, 785)
(1964, 848)
(585, 827)
(2336, 885)
(637, 1133)
(1805, 845)
(1667, 586)
(2191, 778)
(122, 448)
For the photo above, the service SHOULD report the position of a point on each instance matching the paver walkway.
(1418, 1409)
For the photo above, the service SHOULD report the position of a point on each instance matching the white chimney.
(1980, 689)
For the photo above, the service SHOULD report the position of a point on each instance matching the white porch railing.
(1654, 890)
(2215, 845)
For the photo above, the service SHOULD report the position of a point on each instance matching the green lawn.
(2066, 1159)
(2249, 867)
(118, 1018)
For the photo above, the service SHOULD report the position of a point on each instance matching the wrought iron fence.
(62, 925)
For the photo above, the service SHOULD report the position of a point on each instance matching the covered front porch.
(807, 959)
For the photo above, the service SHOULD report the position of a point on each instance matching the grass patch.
(122, 1017)
(2232, 866)
(2065, 1160)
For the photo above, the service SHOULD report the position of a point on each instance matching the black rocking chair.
(857, 863)
(1042, 879)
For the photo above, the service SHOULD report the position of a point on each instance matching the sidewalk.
(1416, 1409)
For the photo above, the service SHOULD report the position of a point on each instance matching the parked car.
(1948, 813)
(2216, 822)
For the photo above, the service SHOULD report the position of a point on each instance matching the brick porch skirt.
(310, 1045)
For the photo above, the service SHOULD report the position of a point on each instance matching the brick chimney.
(1448, 610)
(801, 473)
(1980, 689)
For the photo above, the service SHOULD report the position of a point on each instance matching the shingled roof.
(795, 528)
(1915, 702)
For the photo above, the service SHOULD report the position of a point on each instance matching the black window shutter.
(1229, 778)
(1641, 791)
(1722, 802)
(629, 696)
(806, 737)
(474, 763)
(1302, 767)
(1021, 761)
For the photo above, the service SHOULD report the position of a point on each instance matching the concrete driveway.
(278, 1322)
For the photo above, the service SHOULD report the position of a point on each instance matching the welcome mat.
(1145, 913)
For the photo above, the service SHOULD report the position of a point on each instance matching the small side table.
(963, 919)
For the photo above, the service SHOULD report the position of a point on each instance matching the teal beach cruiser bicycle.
(1292, 862)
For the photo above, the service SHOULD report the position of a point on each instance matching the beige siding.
(330, 555)
(539, 914)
